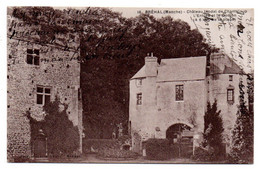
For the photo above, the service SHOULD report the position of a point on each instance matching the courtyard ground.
(92, 158)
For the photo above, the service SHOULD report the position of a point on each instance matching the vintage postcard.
(130, 85)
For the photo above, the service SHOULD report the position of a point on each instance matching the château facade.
(169, 99)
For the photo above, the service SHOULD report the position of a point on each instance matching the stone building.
(37, 73)
(169, 100)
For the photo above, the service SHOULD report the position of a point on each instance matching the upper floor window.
(139, 82)
(139, 99)
(230, 77)
(43, 95)
(230, 95)
(179, 93)
(33, 56)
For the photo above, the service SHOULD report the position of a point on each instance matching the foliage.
(158, 149)
(243, 133)
(202, 154)
(99, 144)
(123, 139)
(62, 135)
(116, 153)
(213, 129)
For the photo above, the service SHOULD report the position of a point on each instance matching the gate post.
(195, 142)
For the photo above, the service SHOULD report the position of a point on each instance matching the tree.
(213, 129)
(62, 135)
(242, 136)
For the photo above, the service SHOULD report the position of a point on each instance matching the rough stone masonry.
(38, 73)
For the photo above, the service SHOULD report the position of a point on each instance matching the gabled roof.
(140, 73)
(188, 68)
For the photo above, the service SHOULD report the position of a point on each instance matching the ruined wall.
(58, 69)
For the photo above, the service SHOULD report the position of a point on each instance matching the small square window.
(33, 56)
(230, 77)
(230, 95)
(43, 95)
(179, 93)
(139, 99)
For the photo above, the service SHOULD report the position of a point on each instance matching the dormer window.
(33, 56)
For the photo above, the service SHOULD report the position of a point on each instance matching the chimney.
(151, 65)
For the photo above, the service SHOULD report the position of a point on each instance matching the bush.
(123, 139)
(201, 154)
(99, 144)
(158, 149)
(116, 153)
(63, 136)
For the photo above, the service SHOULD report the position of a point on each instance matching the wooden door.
(40, 147)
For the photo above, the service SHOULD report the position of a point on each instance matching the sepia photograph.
(130, 85)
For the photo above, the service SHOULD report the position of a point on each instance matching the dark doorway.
(40, 145)
(180, 137)
(126, 147)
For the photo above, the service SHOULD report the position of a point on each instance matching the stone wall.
(58, 69)
(160, 110)
(190, 111)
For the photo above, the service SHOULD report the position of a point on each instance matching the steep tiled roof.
(231, 70)
(189, 68)
(234, 69)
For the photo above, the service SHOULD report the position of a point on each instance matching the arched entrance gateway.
(180, 137)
